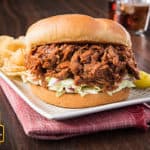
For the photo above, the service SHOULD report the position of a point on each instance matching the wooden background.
(15, 17)
(19, 14)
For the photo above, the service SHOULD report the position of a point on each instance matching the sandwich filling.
(99, 66)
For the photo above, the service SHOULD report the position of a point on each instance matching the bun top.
(76, 28)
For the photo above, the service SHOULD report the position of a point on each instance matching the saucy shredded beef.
(102, 65)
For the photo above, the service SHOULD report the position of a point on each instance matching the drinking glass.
(134, 15)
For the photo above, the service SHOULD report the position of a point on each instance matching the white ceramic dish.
(52, 112)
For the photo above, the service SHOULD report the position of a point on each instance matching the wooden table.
(15, 17)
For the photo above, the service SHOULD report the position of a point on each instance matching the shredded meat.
(92, 64)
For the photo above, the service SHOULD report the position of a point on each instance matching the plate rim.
(79, 112)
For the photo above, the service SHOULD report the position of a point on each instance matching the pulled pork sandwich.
(77, 61)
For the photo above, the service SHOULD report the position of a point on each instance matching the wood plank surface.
(15, 17)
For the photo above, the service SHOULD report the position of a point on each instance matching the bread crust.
(77, 101)
(76, 28)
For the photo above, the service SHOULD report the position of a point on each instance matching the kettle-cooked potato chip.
(12, 55)
(18, 57)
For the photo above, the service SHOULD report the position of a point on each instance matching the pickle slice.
(144, 81)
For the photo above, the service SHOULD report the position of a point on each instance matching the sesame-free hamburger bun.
(75, 31)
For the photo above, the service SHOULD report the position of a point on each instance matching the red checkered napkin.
(36, 126)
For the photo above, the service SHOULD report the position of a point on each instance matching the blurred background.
(14, 13)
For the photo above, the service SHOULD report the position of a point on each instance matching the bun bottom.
(75, 100)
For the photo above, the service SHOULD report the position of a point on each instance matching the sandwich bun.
(76, 28)
(77, 101)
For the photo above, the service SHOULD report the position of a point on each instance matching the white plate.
(52, 112)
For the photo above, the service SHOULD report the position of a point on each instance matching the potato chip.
(1, 61)
(18, 57)
(15, 45)
(5, 39)
(13, 73)
(13, 70)
(12, 55)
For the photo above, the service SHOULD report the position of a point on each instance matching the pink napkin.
(36, 126)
